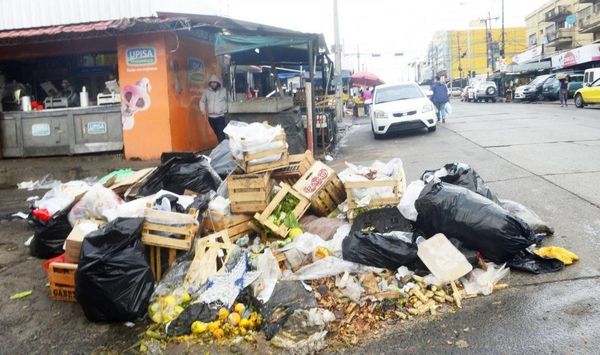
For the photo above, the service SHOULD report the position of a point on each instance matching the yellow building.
(467, 49)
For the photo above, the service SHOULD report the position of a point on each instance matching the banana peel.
(562, 254)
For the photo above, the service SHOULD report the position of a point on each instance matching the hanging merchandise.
(113, 280)
(479, 223)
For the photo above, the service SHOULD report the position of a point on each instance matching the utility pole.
(488, 37)
(339, 107)
(503, 43)
(459, 57)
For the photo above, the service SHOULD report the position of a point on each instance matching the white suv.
(485, 90)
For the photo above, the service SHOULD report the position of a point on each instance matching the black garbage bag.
(374, 249)
(175, 207)
(113, 280)
(287, 297)
(49, 237)
(221, 159)
(381, 220)
(479, 223)
(195, 311)
(528, 216)
(535, 264)
(461, 174)
(182, 173)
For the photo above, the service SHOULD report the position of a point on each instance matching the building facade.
(560, 25)
(463, 53)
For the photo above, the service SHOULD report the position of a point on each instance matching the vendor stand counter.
(66, 131)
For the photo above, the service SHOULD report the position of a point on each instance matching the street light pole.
(339, 108)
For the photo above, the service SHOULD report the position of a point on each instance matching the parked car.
(485, 91)
(533, 90)
(588, 95)
(590, 75)
(400, 107)
(551, 87)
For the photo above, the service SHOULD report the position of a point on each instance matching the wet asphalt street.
(547, 158)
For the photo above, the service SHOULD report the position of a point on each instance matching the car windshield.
(425, 87)
(596, 83)
(397, 93)
(539, 79)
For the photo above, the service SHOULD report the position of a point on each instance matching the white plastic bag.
(479, 281)
(253, 138)
(329, 266)
(62, 196)
(378, 171)
(407, 202)
(94, 203)
(448, 109)
(269, 270)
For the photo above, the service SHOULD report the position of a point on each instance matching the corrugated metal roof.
(16, 14)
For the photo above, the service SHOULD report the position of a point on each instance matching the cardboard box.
(75, 238)
(313, 181)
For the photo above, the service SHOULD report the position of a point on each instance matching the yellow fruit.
(218, 333)
(186, 297)
(243, 331)
(240, 308)
(156, 317)
(253, 315)
(234, 319)
(321, 253)
(199, 327)
(294, 232)
(223, 313)
(212, 326)
(166, 318)
(245, 323)
(178, 310)
(170, 300)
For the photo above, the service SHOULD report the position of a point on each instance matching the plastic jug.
(442, 258)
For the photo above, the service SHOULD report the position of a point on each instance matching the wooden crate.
(298, 212)
(249, 193)
(299, 164)
(206, 258)
(169, 230)
(398, 185)
(257, 168)
(235, 225)
(61, 277)
(327, 200)
(321, 185)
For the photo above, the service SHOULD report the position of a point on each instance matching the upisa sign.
(141, 56)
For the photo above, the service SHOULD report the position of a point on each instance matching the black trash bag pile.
(378, 250)
(194, 311)
(461, 174)
(528, 216)
(180, 173)
(287, 297)
(381, 220)
(478, 222)
(113, 280)
(525, 261)
(49, 237)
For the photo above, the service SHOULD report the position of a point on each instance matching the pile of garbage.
(259, 245)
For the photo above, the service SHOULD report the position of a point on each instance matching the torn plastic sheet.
(482, 282)
(329, 266)
(268, 267)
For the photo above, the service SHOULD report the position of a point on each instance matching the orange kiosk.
(162, 77)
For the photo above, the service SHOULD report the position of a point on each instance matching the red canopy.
(366, 79)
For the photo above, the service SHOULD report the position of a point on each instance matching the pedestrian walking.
(564, 91)
(214, 104)
(368, 99)
(440, 98)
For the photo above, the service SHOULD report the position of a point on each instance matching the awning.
(528, 67)
(230, 44)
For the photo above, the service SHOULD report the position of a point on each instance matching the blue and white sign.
(40, 130)
(140, 56)
(98, 127)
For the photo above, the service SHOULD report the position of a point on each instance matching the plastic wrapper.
(476, 221)
(49, 237)
(94, 203)
(482, 282)
(62, 196)
(47, 182)
(528, 216)
(182, 173)
(221, 159)
(113, 280)
(268, 267)
(461, 174)
(253, 138)
(287, 297)
(378, 171)
(407, 202)
(383, 251)
(321, 226)
(328, 266)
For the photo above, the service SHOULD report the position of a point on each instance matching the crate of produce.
(249, 164)
(298, 165)
(249, 193)
(167, 230)
(286, 206)
(61, 277)
(236, 225)
(321, 185)
(397, 187)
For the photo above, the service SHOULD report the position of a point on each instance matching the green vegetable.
(285, 209)
(20, 295)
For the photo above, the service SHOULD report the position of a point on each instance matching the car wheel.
(494, 100)
(487, 100)
(491, 91)
(540, 97)
(579, 101)
(431, 129)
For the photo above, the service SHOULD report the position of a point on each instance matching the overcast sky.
(375, 26)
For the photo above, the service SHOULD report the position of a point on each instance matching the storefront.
(578, 58)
